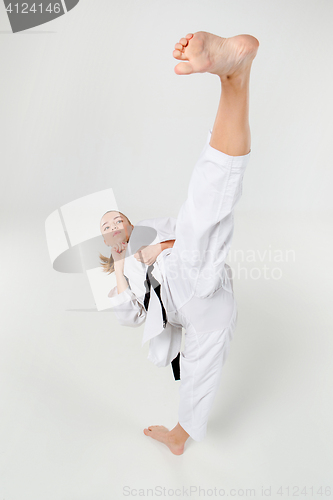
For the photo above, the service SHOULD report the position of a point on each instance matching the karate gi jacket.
(128, 306)
(165, 343)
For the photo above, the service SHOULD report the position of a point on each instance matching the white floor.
(77, 390)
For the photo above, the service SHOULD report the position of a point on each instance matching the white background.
(90, 101)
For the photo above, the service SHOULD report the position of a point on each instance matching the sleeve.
(164, 226)
(127, 308)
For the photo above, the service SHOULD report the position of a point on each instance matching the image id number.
(34, 8)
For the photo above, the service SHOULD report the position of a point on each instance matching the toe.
(183, 41)
(189, 36)
(177, 54)
(183, 69)
(179, 46)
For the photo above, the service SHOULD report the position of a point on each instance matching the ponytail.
(107, 263)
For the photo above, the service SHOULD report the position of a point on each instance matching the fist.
(148, 255)
(118, 250)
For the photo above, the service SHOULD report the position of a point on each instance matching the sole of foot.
(204, 52)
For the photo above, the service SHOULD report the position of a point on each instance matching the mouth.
(116, 232)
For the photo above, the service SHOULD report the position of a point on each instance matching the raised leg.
(230, 59)
(231, 132)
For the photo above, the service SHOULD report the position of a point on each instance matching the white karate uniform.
(196, 285)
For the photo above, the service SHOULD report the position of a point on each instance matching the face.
(115, 228)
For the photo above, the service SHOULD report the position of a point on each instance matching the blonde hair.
(107, 263)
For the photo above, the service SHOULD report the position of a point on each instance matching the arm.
(126, 307)
(123, 301)
(166, 244)
(118, 252)
(120, 278)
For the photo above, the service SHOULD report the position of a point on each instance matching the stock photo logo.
(75, 241)
(25, 15)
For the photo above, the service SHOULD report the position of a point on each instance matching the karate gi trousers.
(199, 285)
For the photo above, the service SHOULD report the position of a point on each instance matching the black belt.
(151, 281)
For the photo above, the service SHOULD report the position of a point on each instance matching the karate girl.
(197, 290)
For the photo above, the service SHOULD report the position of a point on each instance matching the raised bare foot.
(205, 52)
(162, 434)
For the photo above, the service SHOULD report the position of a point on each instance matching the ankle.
(176, 440)
(237, 81)
(178, 435)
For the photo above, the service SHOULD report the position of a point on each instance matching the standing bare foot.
(205, 52)
(174, 439)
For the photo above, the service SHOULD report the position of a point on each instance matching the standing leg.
(230, 59)
(202, 361)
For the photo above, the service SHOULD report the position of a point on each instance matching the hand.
(148, 254)
(118, 250)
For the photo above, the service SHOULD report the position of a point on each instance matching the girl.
(189, 254)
